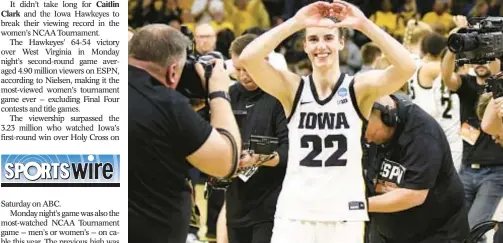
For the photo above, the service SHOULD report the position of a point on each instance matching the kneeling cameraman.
(418, 194)
(166, 136)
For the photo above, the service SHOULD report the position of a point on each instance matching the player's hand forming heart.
(348, 15)
(315, 15)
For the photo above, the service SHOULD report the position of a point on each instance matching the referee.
(166, 136)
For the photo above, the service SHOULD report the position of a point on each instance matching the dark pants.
(141, 230)
(259, 233)
(215, 202)
(483, 191)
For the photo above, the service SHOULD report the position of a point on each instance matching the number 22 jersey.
(324, 177)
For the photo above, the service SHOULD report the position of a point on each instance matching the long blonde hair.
(482, 103)
(414, 32)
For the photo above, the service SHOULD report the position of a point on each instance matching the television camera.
(480, 43)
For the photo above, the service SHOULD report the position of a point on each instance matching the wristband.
(219, 94)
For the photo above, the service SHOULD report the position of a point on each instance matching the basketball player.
(421, 83)
(448, 116)
(412, 40)
(323, 196)
(414, 34)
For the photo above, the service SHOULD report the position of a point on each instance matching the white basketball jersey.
(421, 96)
(448, 115)
(324, 177)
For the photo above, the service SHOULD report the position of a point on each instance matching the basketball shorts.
(300, 231)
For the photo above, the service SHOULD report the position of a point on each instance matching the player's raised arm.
(373, 84)
(282, 84)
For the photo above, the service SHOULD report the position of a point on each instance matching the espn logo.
(392, 171)
(60, 170)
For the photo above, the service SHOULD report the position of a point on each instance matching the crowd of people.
(357, 96)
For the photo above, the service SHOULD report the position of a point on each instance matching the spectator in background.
(188, 20)
(350, 56)
(245, 14)
(224, 40)
(219, 22)
(141, 12)
(384, 18)
(407, 12)
(460, 7)
(481, 9)
(440, 19)
(205, 38)
(291, 7)
(175, 23)
(167, 10)
(200, 11)
(495, 8)
(370, 54)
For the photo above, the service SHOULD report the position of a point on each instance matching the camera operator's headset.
(391, 117)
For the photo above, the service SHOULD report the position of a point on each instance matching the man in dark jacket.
(251, 197)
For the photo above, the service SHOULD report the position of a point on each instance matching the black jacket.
(254, 201)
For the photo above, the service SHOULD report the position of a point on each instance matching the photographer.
(482, 163)
(251, 198)
(166, 136)
(418, 196)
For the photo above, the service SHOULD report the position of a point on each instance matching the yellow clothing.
(221, 26)
(190, 26)
(402, 19)
(255, 15)
(387, 21)
(444, 20)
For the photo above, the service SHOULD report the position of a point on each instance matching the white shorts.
(300, 231)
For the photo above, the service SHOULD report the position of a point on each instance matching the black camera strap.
(235, 160)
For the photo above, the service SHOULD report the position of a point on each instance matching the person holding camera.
(166, 136)
(251, 198)
(417, 194)
(482, 164)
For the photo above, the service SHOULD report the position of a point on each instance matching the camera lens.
(455, 43)
(462, 42)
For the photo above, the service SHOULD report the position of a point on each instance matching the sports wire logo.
(63, 170)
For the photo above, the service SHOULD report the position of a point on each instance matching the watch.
(219, 94)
